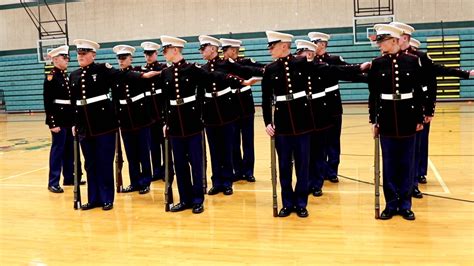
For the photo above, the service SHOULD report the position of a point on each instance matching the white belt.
(396, 97)
(92, 100)
(218, 93)
(290, 97)
(133, 99)
(243, 89)
(318, 95)
(183, 100)
(332, 88)
(59, 101)
(424, 88)
(149, 93)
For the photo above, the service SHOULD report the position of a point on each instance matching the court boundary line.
(438, 177)
(24, 173)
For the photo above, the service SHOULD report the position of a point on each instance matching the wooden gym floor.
(41, 228)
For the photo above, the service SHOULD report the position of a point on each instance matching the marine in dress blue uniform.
(180, 82)
(333, 101)
(396, 111)
(321, 118)
(134, 116)
(154, 92)
(219, 115)
(431, 70)
(243, 151)
(59, 118)
(96, 122)
(286, 81)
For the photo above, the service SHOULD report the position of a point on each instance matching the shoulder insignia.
(253, 61)
(231, 60)
(107, 65)
(49, 77)
(340, 58)
(197, 65)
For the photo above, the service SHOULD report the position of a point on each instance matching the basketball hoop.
(45, 46)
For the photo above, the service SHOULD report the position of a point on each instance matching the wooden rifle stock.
(274, 176)
(377, 176)
(77, 178)
(273, 167)
(204, 163)
(118, 162)
(168, 182)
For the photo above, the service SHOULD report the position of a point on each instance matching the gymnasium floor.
(41, 228)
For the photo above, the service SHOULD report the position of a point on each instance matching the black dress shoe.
(302, 212)
(108, 206)
(333, 179)
(72, 184)
(422, 179)
(407, 215)
(284, 212)
(55, 189)
(417, 193)
(144, 190)
(317, 192)
(387, 214)
(129, 189)
(250, 178)
(89, 206)
(213, 191)
(180, 207)
(228, 191)
(198, 208)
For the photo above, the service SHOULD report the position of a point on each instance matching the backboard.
(44, 46)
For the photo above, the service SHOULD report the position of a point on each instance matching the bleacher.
(21, 76)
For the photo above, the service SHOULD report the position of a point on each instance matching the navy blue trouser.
(137, 148)
(99, 155)
(317, 160)
(421, 153)
(244, 163)
(187, 151)
(333, 147)
(61, 157)
(221, 143)
(398, 155)
(297, 147)
(157, 149)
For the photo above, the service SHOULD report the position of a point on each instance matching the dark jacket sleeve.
(374, 94)
(441, 70)
(428, 84)
(267, 98)
(338, 72)
(249, 71)
(48, 101)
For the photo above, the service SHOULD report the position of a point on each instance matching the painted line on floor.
(438, 177)
(24, 173)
